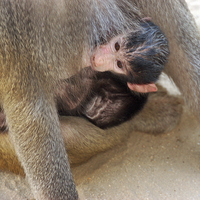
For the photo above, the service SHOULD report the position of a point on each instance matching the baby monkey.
(137, 56)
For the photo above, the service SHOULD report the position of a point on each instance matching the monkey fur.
(40, 46)
(137, 56)
(83, 145)
(108, 103)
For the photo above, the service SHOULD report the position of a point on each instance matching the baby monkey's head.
(137, 56)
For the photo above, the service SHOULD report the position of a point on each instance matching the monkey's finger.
(143, 88)
(146, 19)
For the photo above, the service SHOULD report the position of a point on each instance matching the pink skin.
(107, 58)
(145, 88)
(146, 19)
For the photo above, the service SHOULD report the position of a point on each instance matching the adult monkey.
(38, 42)
(40, 45)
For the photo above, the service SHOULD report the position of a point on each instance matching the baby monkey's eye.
(117, 46)
(119, 64)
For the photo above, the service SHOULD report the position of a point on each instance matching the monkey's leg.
(176, 21)
(39, 146)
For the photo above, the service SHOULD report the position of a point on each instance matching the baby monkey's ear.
(143, 88)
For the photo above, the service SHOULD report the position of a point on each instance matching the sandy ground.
(148, 167)
(145, 167)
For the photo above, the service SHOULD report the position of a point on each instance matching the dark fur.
(108, 103)
(146, 51)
